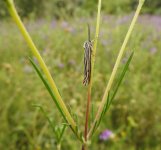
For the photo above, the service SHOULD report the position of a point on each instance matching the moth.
(88, 46)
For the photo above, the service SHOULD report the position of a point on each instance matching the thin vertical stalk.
(84, 147)
(96, 39)
(58, 146)
(121, 52)
(87, 113)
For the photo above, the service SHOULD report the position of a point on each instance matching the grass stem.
(90, 84)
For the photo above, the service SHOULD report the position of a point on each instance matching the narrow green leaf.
(110, 99)
(92, 113)
(94, 128)
(47, 87)
(53, 96)
(107, 104)
(103, 112)
(75, 116)
(121, 76)
(62, 132)
(99, 121)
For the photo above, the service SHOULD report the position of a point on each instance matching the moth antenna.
(89, 37)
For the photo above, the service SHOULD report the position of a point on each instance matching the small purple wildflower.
(105, 135)
(154, 20)
(60, 65)
(64, 24)
(53, 23)
(123, 20)
(153, 50)
(72, 30)
(71, 62)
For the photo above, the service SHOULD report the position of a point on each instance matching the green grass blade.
(110, 99)
(47, 87)
(76, 132)
(62, 132)
(103, 113)
(94, 128)
(92, 113)
(121, 77)
(107, 103)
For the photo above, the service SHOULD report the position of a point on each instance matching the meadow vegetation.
(77, 8)
(135, 115)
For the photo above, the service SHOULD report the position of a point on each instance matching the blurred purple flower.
(153, 20)
(53, 23)
(64, 24)
(72, 30)
(123, 19)
(71, 62)
(153, 50)
(105, 135)
(60, 65)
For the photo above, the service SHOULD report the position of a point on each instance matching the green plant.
(52, 88)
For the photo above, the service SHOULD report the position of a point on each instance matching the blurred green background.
(70, 8)
(58, 28)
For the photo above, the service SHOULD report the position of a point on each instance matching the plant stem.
(116, 67)
(84, 147)
(58, 146)
(96, 39)
(43, 66)
(87, 113)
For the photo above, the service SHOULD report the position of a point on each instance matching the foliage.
(70, 8)
(135, 115)
(30, 7)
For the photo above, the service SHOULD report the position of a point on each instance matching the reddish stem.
(87, 116)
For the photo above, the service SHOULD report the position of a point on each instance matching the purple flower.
(153, 50)
(71, 62)
(60, 65)
(64, 24)
(72, 30)
(53, 23)
(151, 20)
(105, 135)
(123, 20)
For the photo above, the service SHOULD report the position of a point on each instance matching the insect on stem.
(89, 33)
(87, 76)
(88, 46)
